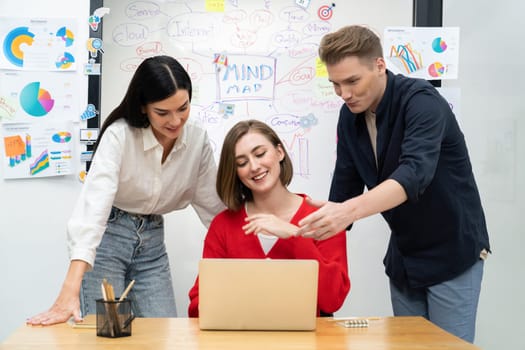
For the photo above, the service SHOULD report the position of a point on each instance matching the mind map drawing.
(250, 60)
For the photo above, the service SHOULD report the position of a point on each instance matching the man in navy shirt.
(398, 137)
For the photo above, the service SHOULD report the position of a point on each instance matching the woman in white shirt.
(149, 160)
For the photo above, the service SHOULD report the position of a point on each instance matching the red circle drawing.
(325, 12)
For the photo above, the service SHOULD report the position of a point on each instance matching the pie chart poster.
(30, 96)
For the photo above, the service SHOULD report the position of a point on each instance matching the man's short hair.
(354, 40)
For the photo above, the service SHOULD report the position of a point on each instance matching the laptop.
(258, 294)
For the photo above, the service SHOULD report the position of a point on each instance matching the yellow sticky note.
(214, 5)
(320, 68)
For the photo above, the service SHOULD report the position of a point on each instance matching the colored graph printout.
(33, 150)
(422, 52)
(37, 96)
(38, 44)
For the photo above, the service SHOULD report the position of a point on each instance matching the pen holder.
(114, 318)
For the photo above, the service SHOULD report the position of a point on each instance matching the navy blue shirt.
(439, 232)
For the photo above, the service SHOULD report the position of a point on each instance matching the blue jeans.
(132, 248)
(451, 305)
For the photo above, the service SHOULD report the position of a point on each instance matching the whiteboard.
(249, 59)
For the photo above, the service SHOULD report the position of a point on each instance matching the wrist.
(74, 276)
(352, 208)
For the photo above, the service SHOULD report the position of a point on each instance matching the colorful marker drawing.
(257, 61)
(325, 12)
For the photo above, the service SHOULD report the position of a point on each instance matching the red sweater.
(226, 239)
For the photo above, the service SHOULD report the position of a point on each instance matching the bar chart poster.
(430, 53)
(37, 149)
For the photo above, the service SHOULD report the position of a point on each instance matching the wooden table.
(403, 333)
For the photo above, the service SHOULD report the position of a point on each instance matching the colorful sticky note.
(320, 68)
(14, 146)
(214, 5)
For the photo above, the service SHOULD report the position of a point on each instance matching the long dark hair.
(155, 79)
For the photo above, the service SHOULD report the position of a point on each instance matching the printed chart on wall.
(36, 151)
(38, 102)
(38, 44)
(37, 96)
(247, 60)
(422, 52)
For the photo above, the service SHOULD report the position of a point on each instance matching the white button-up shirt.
(127, 173)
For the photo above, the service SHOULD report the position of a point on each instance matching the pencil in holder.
(114, 318)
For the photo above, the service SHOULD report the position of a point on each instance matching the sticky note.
(214, 5)
(320, 68)
(14, 146)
